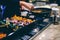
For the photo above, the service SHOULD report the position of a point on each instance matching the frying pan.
(44, 12)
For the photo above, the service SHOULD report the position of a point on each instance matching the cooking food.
(40, 10)
(2, 35)
(21, 20)
(37, 11)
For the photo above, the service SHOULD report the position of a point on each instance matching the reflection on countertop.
(51, 33)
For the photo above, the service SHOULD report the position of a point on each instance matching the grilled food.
(21, 20)
(2, 35)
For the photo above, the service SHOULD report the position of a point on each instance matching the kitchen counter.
(51, 33)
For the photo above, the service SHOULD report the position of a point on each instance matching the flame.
(2, 35)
